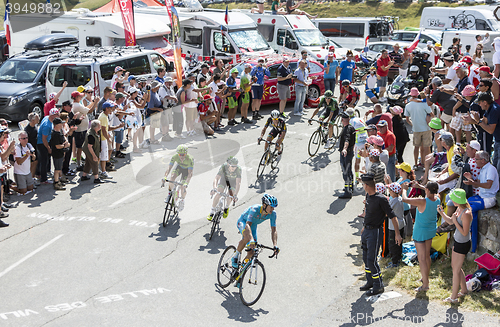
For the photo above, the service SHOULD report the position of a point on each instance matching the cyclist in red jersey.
(349, 95)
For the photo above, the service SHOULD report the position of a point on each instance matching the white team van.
(469, 38)
(472, 18)
(95, 68)
(298, 32)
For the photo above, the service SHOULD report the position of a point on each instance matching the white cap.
(430, 43)
(475, 145)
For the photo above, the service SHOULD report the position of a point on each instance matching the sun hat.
(378, 140)
(469, 91)
(380, 187)
(414, 92)
(458, 196)
(404, 166)
(435, 123)
(118, 68)
(155, 84)
(475, 145)
(397, 110)
(374, 153)
(395, 187)
(168, 79)
(234, 70)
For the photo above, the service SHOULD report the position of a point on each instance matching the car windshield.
(335, 44)
(249, 40)
(494, 24)
(309, 38)
(20, 71)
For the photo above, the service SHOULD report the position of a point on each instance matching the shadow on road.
(319, 161)
(361, 313)
(236, 310)
(338, 205)
(216, 244)
(171, 231)
(266, 181)
(414, 311)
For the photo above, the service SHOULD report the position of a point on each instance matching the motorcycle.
(398, 92)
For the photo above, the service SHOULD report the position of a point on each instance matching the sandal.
(450, 300)
(421, 289)
(361, 215)
(460, 294)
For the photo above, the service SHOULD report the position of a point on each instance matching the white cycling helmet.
(275, 113)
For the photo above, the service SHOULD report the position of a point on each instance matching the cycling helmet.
(328, 94)
(182, 149)
(232, 161)
(270, 200)
(346, 82)
(275, 113)
(414, 68)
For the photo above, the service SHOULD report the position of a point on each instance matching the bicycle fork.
(249, 265)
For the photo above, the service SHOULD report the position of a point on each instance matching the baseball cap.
(80, 89)
(54, 111)
(131, 77)
(260, 59)
(448, 56)
(437, 45)
(330, 54)
(467, 59)
(247, 65)
(119, 95)
(382, 123)
(437, 80)
(5, 130)
(404, 166)
(76, 94)
(429, 42)
(118, 68)
(461, 65)
(371, 127)
(108, 104)
(52, 96)
(207, 97)
(485, 69)
(475, 145)
(367, 177)
(56, 121)
(132, 90)
(445, 135)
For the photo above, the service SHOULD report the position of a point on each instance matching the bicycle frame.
(175, 191)
(255, 258)
(222, 201)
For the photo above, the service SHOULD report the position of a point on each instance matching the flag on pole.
(226, 18)
(169, 4)
(6, 24)
(176, 31)
(413, 46)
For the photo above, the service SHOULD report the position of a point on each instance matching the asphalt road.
(98, 255)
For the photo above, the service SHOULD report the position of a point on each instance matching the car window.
(107, 70)
(222, 43)
(293, 65)
(74, 75)
(192, 36)
(407, 36)
(138, 65)
(267, 32)
(158, 61)
(274, 71)
(482, 25)
(315, 68)
(396, 37)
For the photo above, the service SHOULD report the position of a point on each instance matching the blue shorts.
(257, 92)
(119, 136)
(370, 94)
(241, 227)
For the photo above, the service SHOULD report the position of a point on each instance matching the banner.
(6, 23)
(176, 33)
(127, 10)
(169, 4)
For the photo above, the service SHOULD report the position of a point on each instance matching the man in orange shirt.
(383, 65)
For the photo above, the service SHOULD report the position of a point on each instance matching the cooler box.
(490, 263)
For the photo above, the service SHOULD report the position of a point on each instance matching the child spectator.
(58, 143)
(396, 203)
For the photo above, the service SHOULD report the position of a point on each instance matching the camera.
(148, 87)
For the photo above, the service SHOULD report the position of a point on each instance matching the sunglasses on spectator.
(23, 138)
(481, 85)
(89, 91)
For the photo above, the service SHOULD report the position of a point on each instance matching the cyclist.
(185, 165)
(229, 176)
(371, 88)
(349, 95)
(360, 139)
(247, 226)
(331, 111)
(414, 79)
(277, 122)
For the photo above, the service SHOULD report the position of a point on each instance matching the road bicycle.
(337, 129)
(219, 211)
(250, 277)
(270, 157)
(320, 137)
(171, 207)
(462, 20)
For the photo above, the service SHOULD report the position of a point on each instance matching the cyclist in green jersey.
(185, 165)
(331, 111)
(229, 176)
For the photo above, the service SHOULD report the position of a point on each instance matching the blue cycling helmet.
(270, 200)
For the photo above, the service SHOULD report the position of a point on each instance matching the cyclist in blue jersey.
(247, 226)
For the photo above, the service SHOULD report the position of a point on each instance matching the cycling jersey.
(353, 93)
(255, 215)
(225, 173)
(332, 107)
(188, 162)
(280, 127)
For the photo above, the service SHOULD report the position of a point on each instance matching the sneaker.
(232, 122)
(98, 181)
(246, 121)
(79, 168)
(259, 115)
(120, 155)
(73, 159)
(210, 217)
(392, 265)
(284, 115)
(3, 224)
(234, 262)
(59, 187)
(383, 99)
(235, 122)
(48, 182)
(111, 168)
(4, 209)
(166, 138)
(84, 178)
(105, 175)
(70, 173)
(298, 114)
(123, 147)
(328, 144)
(278, 158)
(180, 205)
(113, 160)
(226, 213)
(37, 182)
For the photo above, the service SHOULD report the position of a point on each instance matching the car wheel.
(313, 92)
(37, 108)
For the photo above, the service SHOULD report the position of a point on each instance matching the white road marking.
(30, 255)
(131, 195)
(383, 297)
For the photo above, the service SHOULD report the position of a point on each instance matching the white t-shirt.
(84, 125)
(432, 57)
(496, 58)
(371, 81)
(213, 86)
(452, 75)
(25, 167)
(114, 121)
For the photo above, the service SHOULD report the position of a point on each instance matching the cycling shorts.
(370, 94)
(181, 171)
(230, 184)
(349, 99)
(241, 227)
(232, 103)
(274, 132)
(246, 97)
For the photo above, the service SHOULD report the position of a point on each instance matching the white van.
(95, 68)
(472, 18)
(298, 32)
(351, 32)
(469, 38)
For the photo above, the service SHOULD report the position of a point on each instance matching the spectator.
(406, 58)
(467, 50)
(107, 108)
(390, 146)
(304, 55)
(115, 119)
(447, 178)
(246, 87)
(446, 101)
(119, 76)
(106, 95)
(418, 115)
(92, 149)
(398, 59)
(43, 148)
(132, 81)
(276, 8)
(378, 115)
(137, 108)
(377, 168)
(183, 97)
(291, 9)
(346, 148)
(346, 68)
(478, 56)
(448, 70)
(481, 41)
(79, 135)
(371, 89)
(330, 74)
(396, 202)
(285, 79)
(384, 63)
(434, 54)
(160, 77)
(496, 57)
(232, 102)
(260, 7)
(461, 219)
(53, 99)
(32, 131)
(24, 154)
(424, 229)
(493, 85)
(69, 128)
(461, 109)
(400, 131)
(258, 73)
(205, 72)
(207, 117)
(58, 143)
(153, 116)
(301, 85)
(167, 94)
(88, 102)
(488, 188)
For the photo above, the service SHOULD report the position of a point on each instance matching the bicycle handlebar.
(275, 254)
(169, 181)
(319, 121)
(261, 139)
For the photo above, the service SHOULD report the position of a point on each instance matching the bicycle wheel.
(262, 163)
(275, 161)
(169, 210)
(225, 269)
(358, 114)
(336, 132)
(215, 222)
(252, 284)
(314, 143)
(469, 21)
